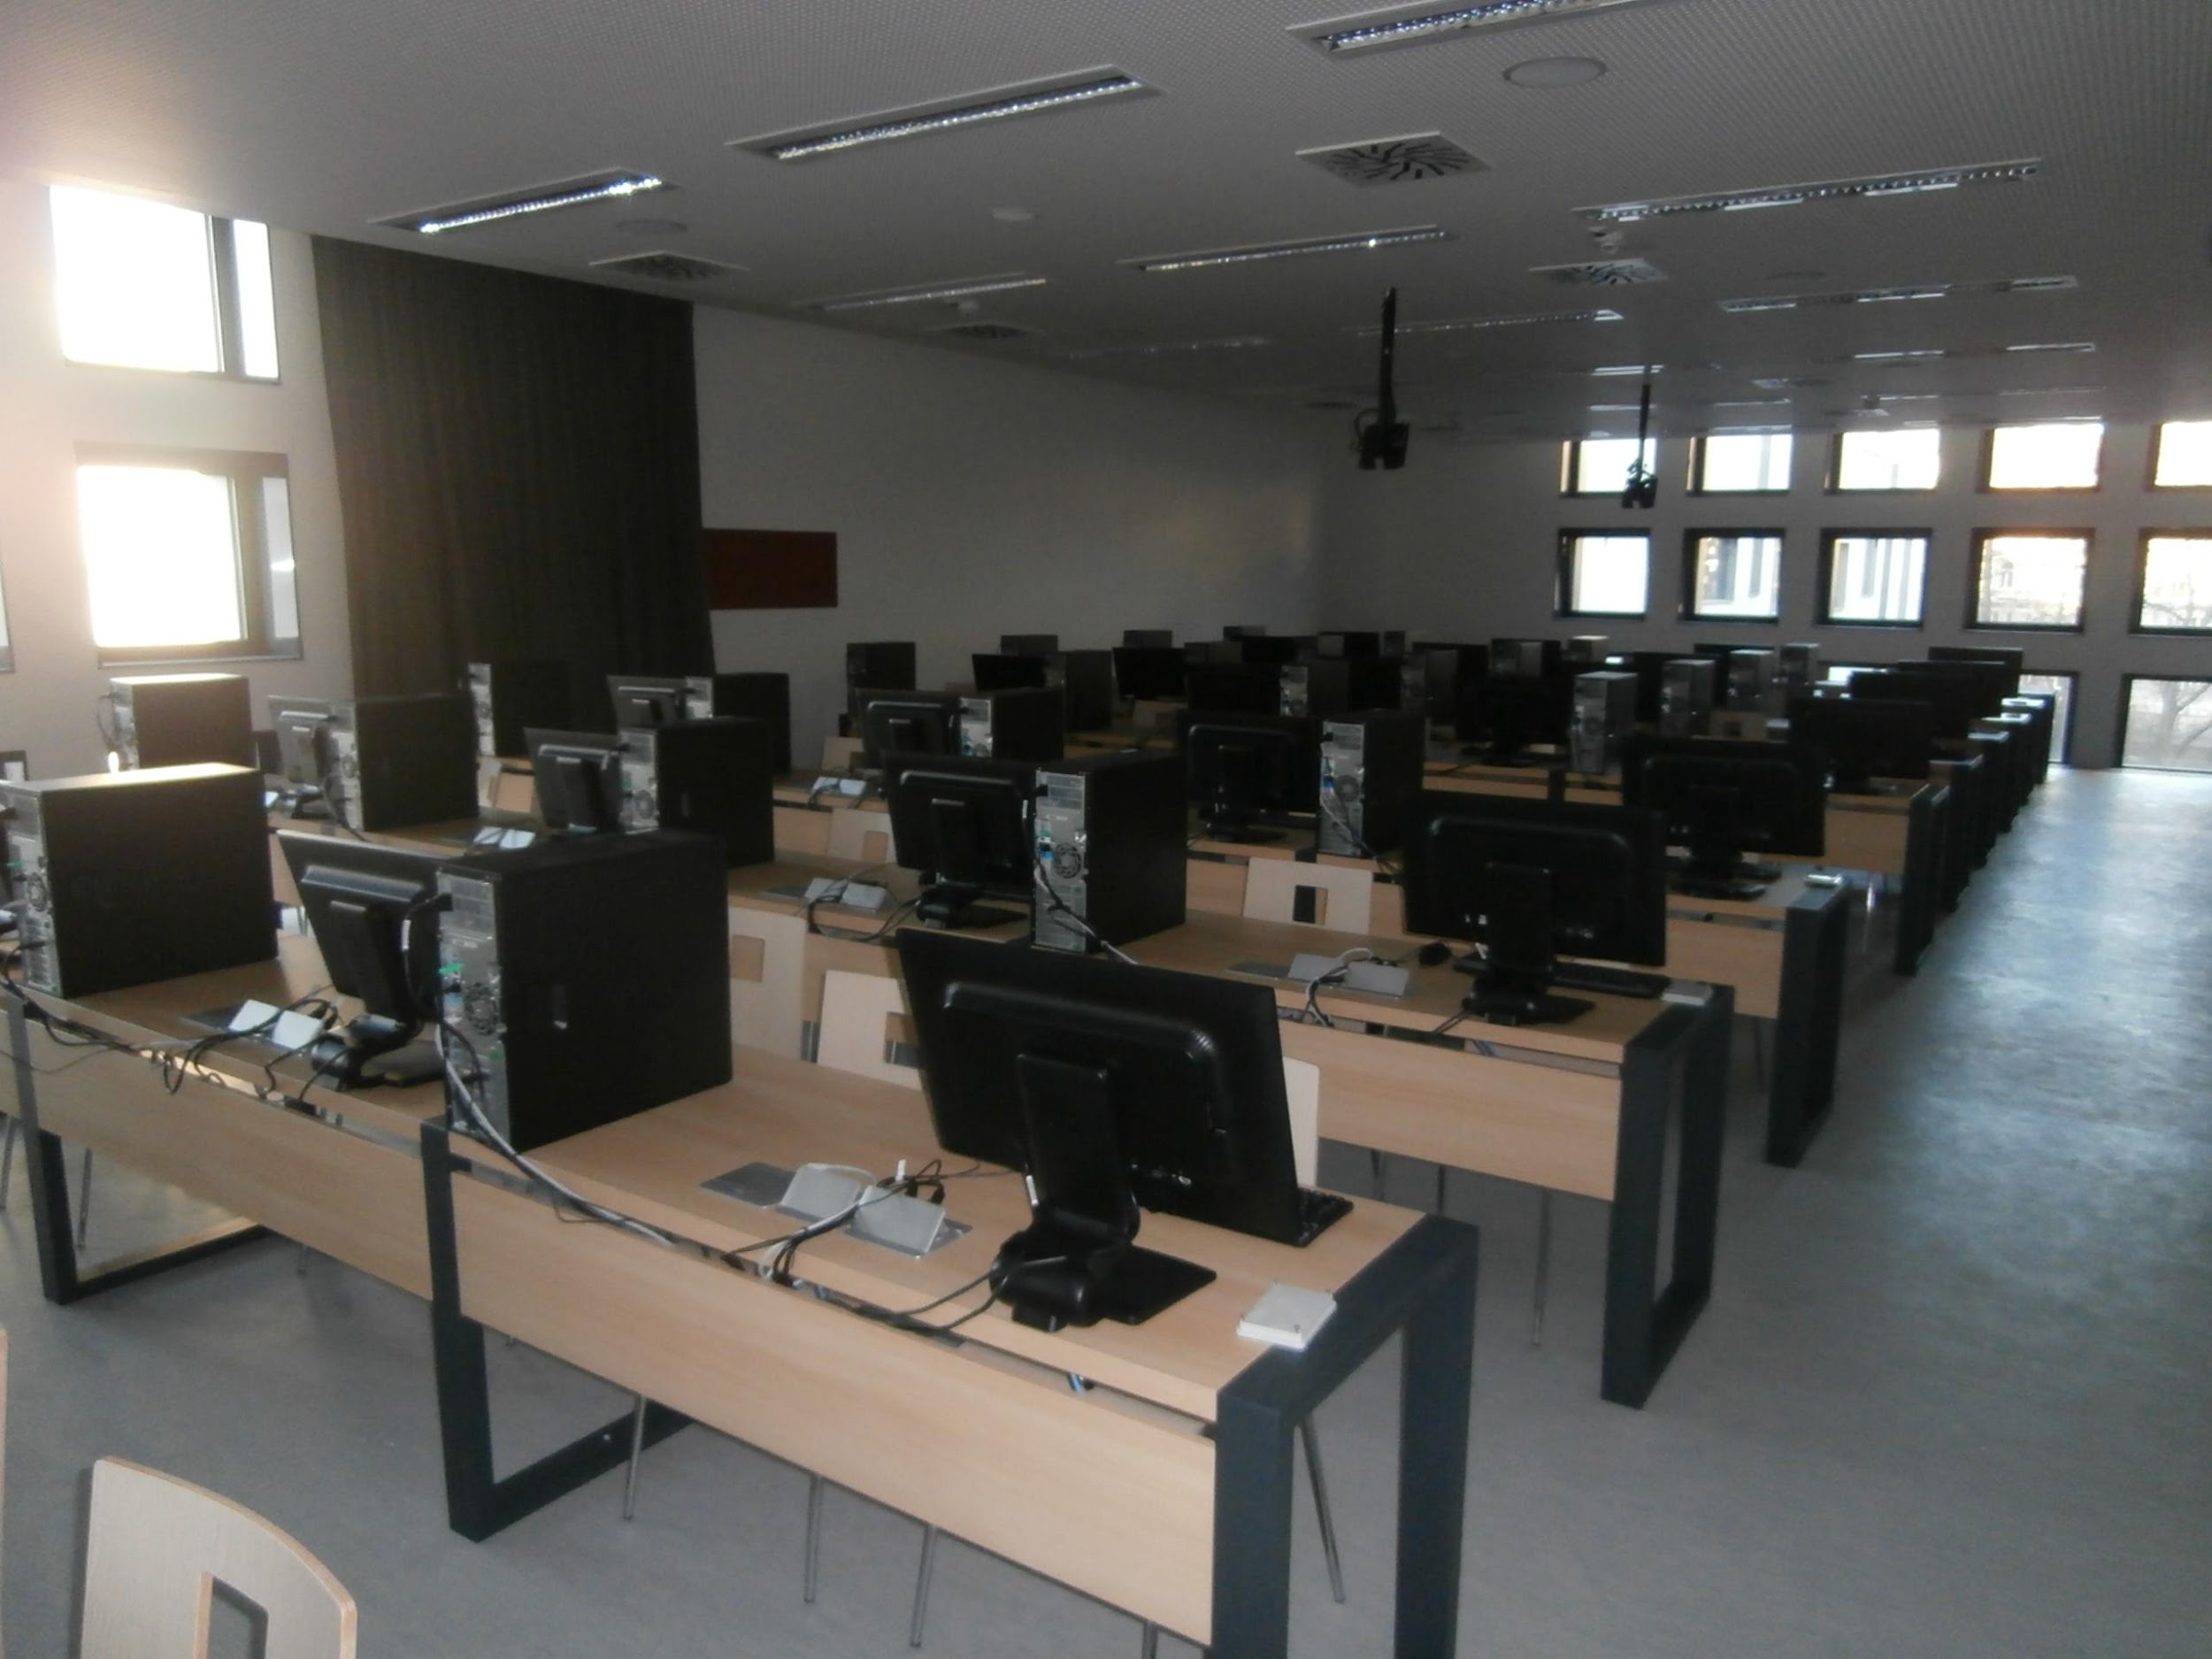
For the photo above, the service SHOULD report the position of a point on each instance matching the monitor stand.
(371, 1051)
(953, 905)
(1513, 981)
(1723, 878)
(1240, 834)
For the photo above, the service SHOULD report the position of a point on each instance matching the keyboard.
(1590, 976)
(1316, 1211)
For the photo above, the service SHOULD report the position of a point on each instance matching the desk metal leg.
(1425, 1286)
(63, 1274)
(1683, 1049)
(1808, 1023)
(479, 1502)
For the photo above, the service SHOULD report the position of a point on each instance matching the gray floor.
(1950, 1397)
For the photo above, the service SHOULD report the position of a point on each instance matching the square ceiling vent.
(1396, 160)
(1601, 273)
(661, 266)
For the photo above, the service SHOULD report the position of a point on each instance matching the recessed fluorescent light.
(1229, 343)
(1915, 291)
(1921, 356)
(2054, 391)
(1880, 186)
(1455, 324)
(1419, 25)
(1907, 397)
(1357, 241)
(960, 289)
(2070, 345)
(1000, 103)
(1630, 368)
(597, 187)
(1754, 403)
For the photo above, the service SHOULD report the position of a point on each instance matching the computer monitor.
(1028, 644)
(1529, 880)
(1993, 679)
(908, 722)
(648, 699)
(1114, 1089)
(1233, 688)
(303, 728)
(1865, 740)
(1521, 710)
(1955, 698)
(1148, 673)
(2012, 658)
(1241, 768)
(1267, 650)
(579, 777)
(964, 823)
(1721, 798)
(1341, 644)
(1005, 672)
(369, 906)
(1148, 638)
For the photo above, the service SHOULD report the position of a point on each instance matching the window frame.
(1982, 486)
(2120, 732)
(1977, 548)
(1690, 538)
(2062, 732)
(1570, 468)
(2142, 580)
(230, 325)
(7, 632)
(1563, 588)
(1824, 596)
(2158, 443)
(1697, 467)
(1835, 467)
(250, 542)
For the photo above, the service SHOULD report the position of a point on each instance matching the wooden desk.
(1164, 1489)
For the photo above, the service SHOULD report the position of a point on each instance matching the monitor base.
(1514, 1005)
(1052, 1279)
(1241, 835)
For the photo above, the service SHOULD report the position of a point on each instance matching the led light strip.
(1373, 31)
(953, 290)
(1357, 243)
(1104, 84)
(571, 192)
(1922, 291)
(1455, 325)
(1877, 187)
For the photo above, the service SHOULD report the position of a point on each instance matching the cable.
(336, 801)
(1054, 901)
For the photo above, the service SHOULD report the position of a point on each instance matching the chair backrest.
(767, 977)
(840, 753)
(857, 833)
(1302, 1082)
(157, 1548)
(1344, 901)
(856, 1012)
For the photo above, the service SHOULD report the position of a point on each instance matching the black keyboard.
(1590, 976)
(1316, 1211)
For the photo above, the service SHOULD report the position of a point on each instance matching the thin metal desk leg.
(813, 1536)
(637, 1456)
(84, 1198)
(7, 1163)
(1312, 1443)
(921, 1587)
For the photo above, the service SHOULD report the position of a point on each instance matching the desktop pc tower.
(1796, 668)
(1394, 642)
(1322, 688)
(509, 697)
(1110, 831)
(182, 719)
(1371, 771)
(1585, 650)
(1526, 659)
(590, 978)
(1348, 645)
(400, 761)
(1751, 679)
(1088, 678)
(126, 877)
(1030, 723)
(1685, 696)
(661, 699)
(1605, 714)
(713, 777)
(880, 666)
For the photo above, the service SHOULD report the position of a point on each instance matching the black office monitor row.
(1720, 798)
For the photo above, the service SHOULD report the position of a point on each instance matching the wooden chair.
(856, 1012)
(767, 975)
(857, 833)
(1344, 895)
(840, 753)
(158, 1547)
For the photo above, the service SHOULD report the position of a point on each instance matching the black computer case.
(403, 761)
(1111, 835)
(1030, 723)
(183, 719)
(1370, 770)
(509, 695)
(1088, 678)
(714, 778)
(129, 877)
(749, 696)
(590, 977)
(880, 664)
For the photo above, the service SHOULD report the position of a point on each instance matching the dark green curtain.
(519, 466)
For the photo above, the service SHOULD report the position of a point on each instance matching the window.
(2060, 455)
(2173, 583)
(1599, 466)
(1873, 577)
(1742, 463)
(1733, 575)
(7, 645)
(2166, 723)
(142, 285)
(189, 554)
(2060, 683)
(1602, 575)
(2029, 578)
(2181, 455)
(1908, 459)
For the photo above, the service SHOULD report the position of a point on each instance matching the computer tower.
(1213, 651)
(749, 696)
(1159, 639)
(1370, 770)
(1373, 683)
(1585, 650)
(590, 977)
(1394, 642)
(1527, 658)
(182, 719)
(714, 778)
(508, 697)
(128, 878)
(1111, 832)
(402, 761)
(880, 665)
(1321, 688)
(1088, 677)
(1348, 645)
(1027, 724)
(1028, 644)
(1605, 715)
(1796, 667)
(1685, 696)
(1751, 675)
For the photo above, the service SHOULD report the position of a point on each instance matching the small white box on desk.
(1287, 1316)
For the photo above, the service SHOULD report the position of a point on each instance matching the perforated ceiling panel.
(327, 117)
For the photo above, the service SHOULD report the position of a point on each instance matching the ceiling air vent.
(1396, 160)
(990, 332)
(660, 266)
(1603, 273)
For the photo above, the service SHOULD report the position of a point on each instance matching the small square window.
(2058, 455)
(2181, 458)
(2029, 579)
(1911, 458)
(1873, 578)
(2173, 588)
(2166, 723)
(142, 285)
(1599, 466)
(1733, 575)
(1602, 575)
(1742, 463)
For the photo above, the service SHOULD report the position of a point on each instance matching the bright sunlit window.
(142, 285)
(2058, 455)
(1599, 466)
(1873, 578)
(1733, 575)
(1604, 575)
(2032, 579)
(1743, 463)
(2166, 723)
(2184, 455)
(7, 645)
(1908, 459)
(2176, 592)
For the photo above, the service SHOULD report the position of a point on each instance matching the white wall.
(48, 406)
(973, 498)
(1463, 543)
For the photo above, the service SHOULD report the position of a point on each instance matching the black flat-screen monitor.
(1529, 880)
(1864, 740)
(1114, 1089)
(1002, 670)
(302, 726)
(1150, 673)
(1993, 679)
(2013, 659)
(908, 722)
(963, 822)
(1233, 688)
(1955, 698)
(1162, 638)
(1268, 650)
(1522, 710)
(1723, 797)
(579, 777)
(1244, 768)
(648, 699)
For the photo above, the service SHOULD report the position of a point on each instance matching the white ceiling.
(327, 115)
